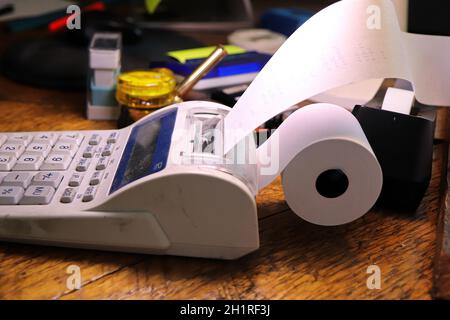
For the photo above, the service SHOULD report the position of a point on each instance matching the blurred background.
(38, 50)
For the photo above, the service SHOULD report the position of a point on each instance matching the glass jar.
(142, 92)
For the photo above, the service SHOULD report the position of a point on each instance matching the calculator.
(159, 186)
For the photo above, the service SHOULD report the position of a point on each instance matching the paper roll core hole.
(332, 183)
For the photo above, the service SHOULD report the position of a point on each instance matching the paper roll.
(330, 174)
(322, 146)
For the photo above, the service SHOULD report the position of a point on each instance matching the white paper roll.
(346, 43)
(330, 174)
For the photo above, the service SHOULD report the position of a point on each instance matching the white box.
(102, 112)
(105, 77)
(105, 51)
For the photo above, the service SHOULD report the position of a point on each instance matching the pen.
(216, 56)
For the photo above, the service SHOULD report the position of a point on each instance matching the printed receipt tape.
(347, 42)
(330, 173)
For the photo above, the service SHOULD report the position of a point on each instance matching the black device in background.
(403, 144)
(61, 60)
(197, 15)
(429, 17)
(229, 95)
(4, 9)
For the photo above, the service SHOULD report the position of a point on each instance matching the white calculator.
(146, 188)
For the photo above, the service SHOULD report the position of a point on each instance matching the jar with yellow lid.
(141, 92)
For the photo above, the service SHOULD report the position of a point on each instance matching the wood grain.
(441, 289)
(441, 279)
(296, 260)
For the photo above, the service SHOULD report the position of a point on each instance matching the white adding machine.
(160, 186)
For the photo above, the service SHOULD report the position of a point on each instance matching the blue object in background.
(285, 20)
(232, 65)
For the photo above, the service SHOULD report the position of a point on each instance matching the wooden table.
(296, 260)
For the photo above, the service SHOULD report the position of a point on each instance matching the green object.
(199, 53)
(152, 5)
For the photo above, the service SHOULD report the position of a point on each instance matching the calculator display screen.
(146, 151)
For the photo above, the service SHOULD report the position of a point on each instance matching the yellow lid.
(151, 84)
(146, 89)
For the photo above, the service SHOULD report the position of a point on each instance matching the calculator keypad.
(69, 195)
(11, 149)
(38, 195)
(51, 179)
(83, 164)
(20, 139)
(101, 164)
(76, 179)
(95, 140)
(39, 148)
(28, 162)
(68, 148)
(10, 195)
(89, 194)
(7, 162)
(57, 161)
(96, 178)
(18, 179)
(47, 138)
(33, 166)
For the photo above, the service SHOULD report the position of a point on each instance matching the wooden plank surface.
(441, 279)
(296, 259)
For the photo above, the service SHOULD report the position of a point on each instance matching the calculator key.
(68, 195)
(96, 178)
(2, 139)
(107, 150)
(56, 161)
(2, 176)
(89, 194)
(76, 179)
(89, 152)
(11, 149)
(7, 162)
(28, 162)
(38, 195)
(83, 164)
(18, 179)
(49, 179)
(48, 138)
(113, 137)
(38, 148)
(95, 139)
(71, 138)
(101, 164)
(23, 140)
(10, 195)
(65, 148)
